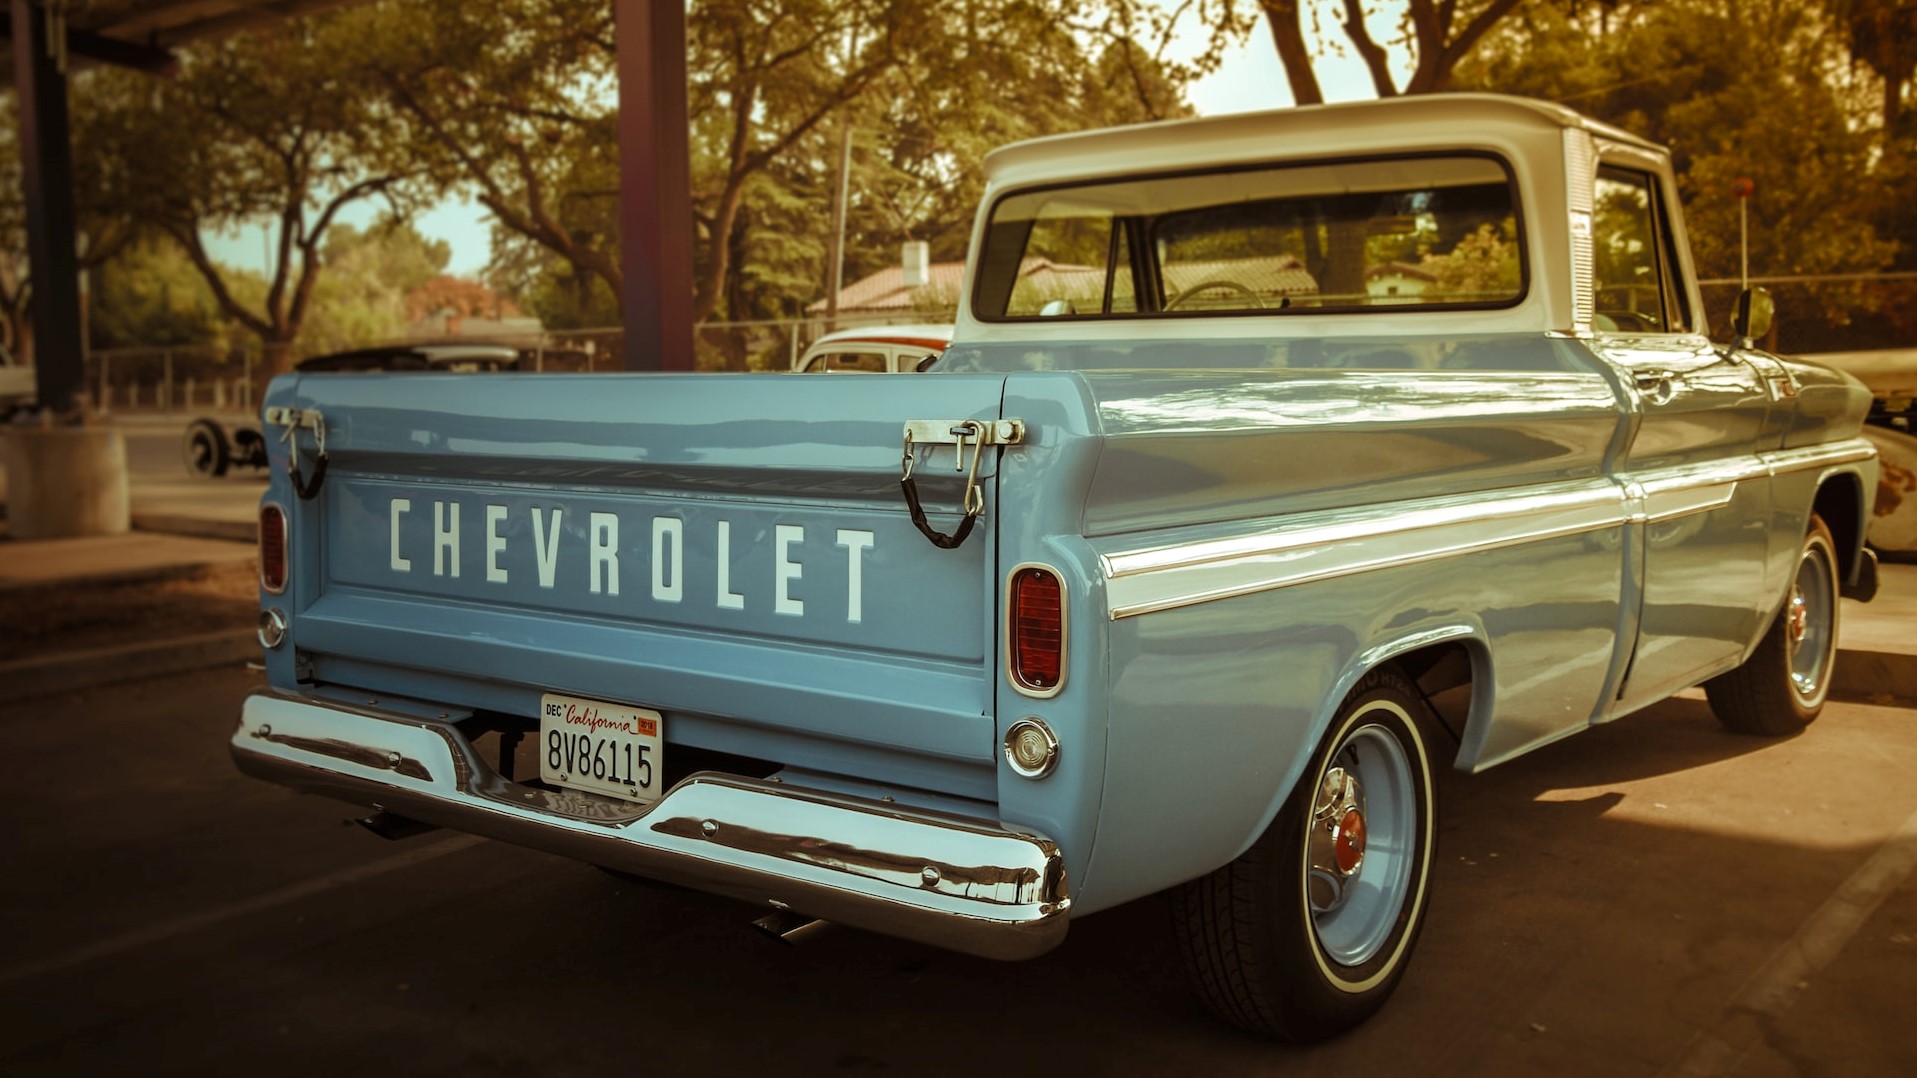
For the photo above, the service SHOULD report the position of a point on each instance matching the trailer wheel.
(1307, 934)
(205, 449)
(1781, 687)
(249, 448)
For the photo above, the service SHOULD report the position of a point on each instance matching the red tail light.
(272, 548)
(1037, 636)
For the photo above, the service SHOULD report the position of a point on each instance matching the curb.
(51, 675)
(237, 531)
(1875, 677)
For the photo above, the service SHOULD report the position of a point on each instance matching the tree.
(361, 299)
(150, 295)
(1439, 34)
(1736, 88)
(1882, 35)
(272, 126)
(515, 102)
(1007, 71)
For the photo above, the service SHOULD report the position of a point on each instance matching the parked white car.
(875, 349)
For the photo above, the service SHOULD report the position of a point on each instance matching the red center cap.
(1350, 847)
(1799, 622)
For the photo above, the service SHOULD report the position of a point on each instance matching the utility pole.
(835, 256)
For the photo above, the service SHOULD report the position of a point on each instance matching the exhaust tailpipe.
(791, 928)
(392, 826)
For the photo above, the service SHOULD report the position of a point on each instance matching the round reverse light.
(1031, 748)
(272, 627)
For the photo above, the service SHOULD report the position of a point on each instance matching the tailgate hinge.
(976, 433)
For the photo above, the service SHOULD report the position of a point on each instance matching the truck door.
(1701, 493)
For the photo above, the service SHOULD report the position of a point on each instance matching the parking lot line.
(195, 922)
(1777, 984)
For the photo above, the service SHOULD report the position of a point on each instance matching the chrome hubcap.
(1360, 845)
(1810, 624)
(1337, 837)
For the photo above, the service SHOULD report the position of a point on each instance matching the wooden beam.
(108, 50)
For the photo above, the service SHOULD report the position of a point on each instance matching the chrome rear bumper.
(963, 884)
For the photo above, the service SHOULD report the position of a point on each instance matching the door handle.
(1658, 387)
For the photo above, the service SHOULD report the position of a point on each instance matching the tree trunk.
(1288, 34)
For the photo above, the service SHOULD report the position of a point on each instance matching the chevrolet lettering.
(528, 540)
(1276, 461)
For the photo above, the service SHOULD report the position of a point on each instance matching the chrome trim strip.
(1365, 523)
(1064, 632)
(1661, 505)
(965, 884)
(1853, 451)
(1679, 492)
(1164, 578)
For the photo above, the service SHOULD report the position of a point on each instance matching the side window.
(847, 363)
(1063, 271)
(1636, 279)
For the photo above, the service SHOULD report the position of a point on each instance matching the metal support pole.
(46, 158)
(655, 184)
(1744, 242)
(835, 254)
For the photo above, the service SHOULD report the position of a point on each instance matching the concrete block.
(65, 481)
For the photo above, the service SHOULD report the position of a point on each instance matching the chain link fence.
(1830, 313)
(200, 379)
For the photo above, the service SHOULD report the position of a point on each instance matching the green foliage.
(259, 126)
(150, 295)
(361, 299)
(1736, 88)
(391, 251)
(1484, 263)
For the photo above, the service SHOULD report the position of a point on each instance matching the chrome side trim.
(1163, 578)
(1680, 492)
(966, 884)
(1853, 451)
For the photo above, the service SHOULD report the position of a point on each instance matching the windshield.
(1415, 233)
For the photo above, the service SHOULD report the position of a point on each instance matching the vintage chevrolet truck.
(1277, 459)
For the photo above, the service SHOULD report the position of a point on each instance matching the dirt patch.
(36, 622)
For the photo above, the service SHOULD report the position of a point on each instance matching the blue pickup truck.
(1277, 460)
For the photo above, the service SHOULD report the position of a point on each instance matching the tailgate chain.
(293, 419)
(974, 432)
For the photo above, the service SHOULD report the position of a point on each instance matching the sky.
(1251, 79)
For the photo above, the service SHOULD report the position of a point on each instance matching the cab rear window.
(1412, 232)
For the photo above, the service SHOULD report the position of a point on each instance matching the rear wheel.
(205, 450)
(1307, 934)
(1782, 686)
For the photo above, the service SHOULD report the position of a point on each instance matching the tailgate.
(731, 550)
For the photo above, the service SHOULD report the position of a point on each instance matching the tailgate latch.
(293, 419)
(962, 434)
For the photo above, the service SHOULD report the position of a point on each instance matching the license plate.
(601, 748)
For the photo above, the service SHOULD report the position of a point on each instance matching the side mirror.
(1753, 315)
